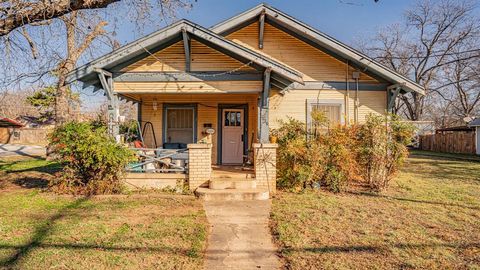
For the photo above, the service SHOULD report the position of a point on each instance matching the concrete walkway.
(240, 237)
(20, 150)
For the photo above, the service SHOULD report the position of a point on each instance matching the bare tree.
(429, 40)
(43, 41)
(464, 78)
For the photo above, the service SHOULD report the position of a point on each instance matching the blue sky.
(345, 20)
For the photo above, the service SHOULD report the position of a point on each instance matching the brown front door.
(232, 136)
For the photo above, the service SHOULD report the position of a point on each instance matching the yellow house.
(218, 92)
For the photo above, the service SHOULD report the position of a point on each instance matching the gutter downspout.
(347, 102)
(356, 76)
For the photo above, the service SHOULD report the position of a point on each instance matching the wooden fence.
(455, 142)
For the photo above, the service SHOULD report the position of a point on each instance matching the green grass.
(469, 157)
(428, 219)
(31, 164)
(40, 230)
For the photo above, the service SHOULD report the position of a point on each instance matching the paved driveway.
(240, 237)
(12, 150)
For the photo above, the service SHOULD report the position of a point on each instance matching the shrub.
(382, 142)
(93, 163)
(331, 156)
(339, 157)
(321, 157)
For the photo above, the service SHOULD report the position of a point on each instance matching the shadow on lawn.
(31, 182)
(44, 230)
(50, 168)
(442, 168)
(371, 194)
(372, 249)
(39, 235)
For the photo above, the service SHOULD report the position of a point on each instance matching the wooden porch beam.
(187, 48)
(185, 77)
(392, 93)
(261, 29)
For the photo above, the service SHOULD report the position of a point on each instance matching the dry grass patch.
(429, 218)
(39, 230)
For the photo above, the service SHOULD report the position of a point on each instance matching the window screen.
(179, 125)
(331, 111)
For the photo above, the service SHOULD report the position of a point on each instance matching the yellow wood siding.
(293, 104)
(188, 87)
(205, 58)
(314, 64)
(207, 112)
(172, 59)
(169, 59)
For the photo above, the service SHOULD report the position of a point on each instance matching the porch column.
(265, 156)
(199, 164)
(263, 128)
(106, 80)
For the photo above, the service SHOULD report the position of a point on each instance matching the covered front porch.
(199, 140)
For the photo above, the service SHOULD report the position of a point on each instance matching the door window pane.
(232, 118)
(239, 119)
(227, 119)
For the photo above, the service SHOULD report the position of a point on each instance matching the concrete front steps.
(232, 189)
(232, 183)
(208, 194)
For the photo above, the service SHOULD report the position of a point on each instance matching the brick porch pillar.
(199, 165)
(265, 156)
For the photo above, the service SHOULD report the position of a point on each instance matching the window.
(232, 119)
(179, 124)
(333, 110)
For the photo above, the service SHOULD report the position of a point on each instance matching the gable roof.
(7, 122)
(165, 37)
(318, 39)
(475, 123)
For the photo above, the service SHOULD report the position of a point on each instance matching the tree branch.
(19, 14)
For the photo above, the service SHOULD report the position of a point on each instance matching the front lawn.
(40, 230)
(429, 218)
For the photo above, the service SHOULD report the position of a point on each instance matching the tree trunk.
(62, 107)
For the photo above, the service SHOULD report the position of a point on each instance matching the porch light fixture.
(155, 104)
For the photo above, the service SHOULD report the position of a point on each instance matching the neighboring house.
(7, 128)
(238, 79)
(34, 131)
(476, 124)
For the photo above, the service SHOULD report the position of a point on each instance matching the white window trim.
(310, 102)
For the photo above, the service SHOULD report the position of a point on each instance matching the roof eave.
(320, 38)
(139, 46)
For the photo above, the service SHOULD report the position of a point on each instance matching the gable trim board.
(86, 73)
(320, 40)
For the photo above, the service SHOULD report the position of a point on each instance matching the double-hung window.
(332, 109)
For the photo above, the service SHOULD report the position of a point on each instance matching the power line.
(432, 55)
